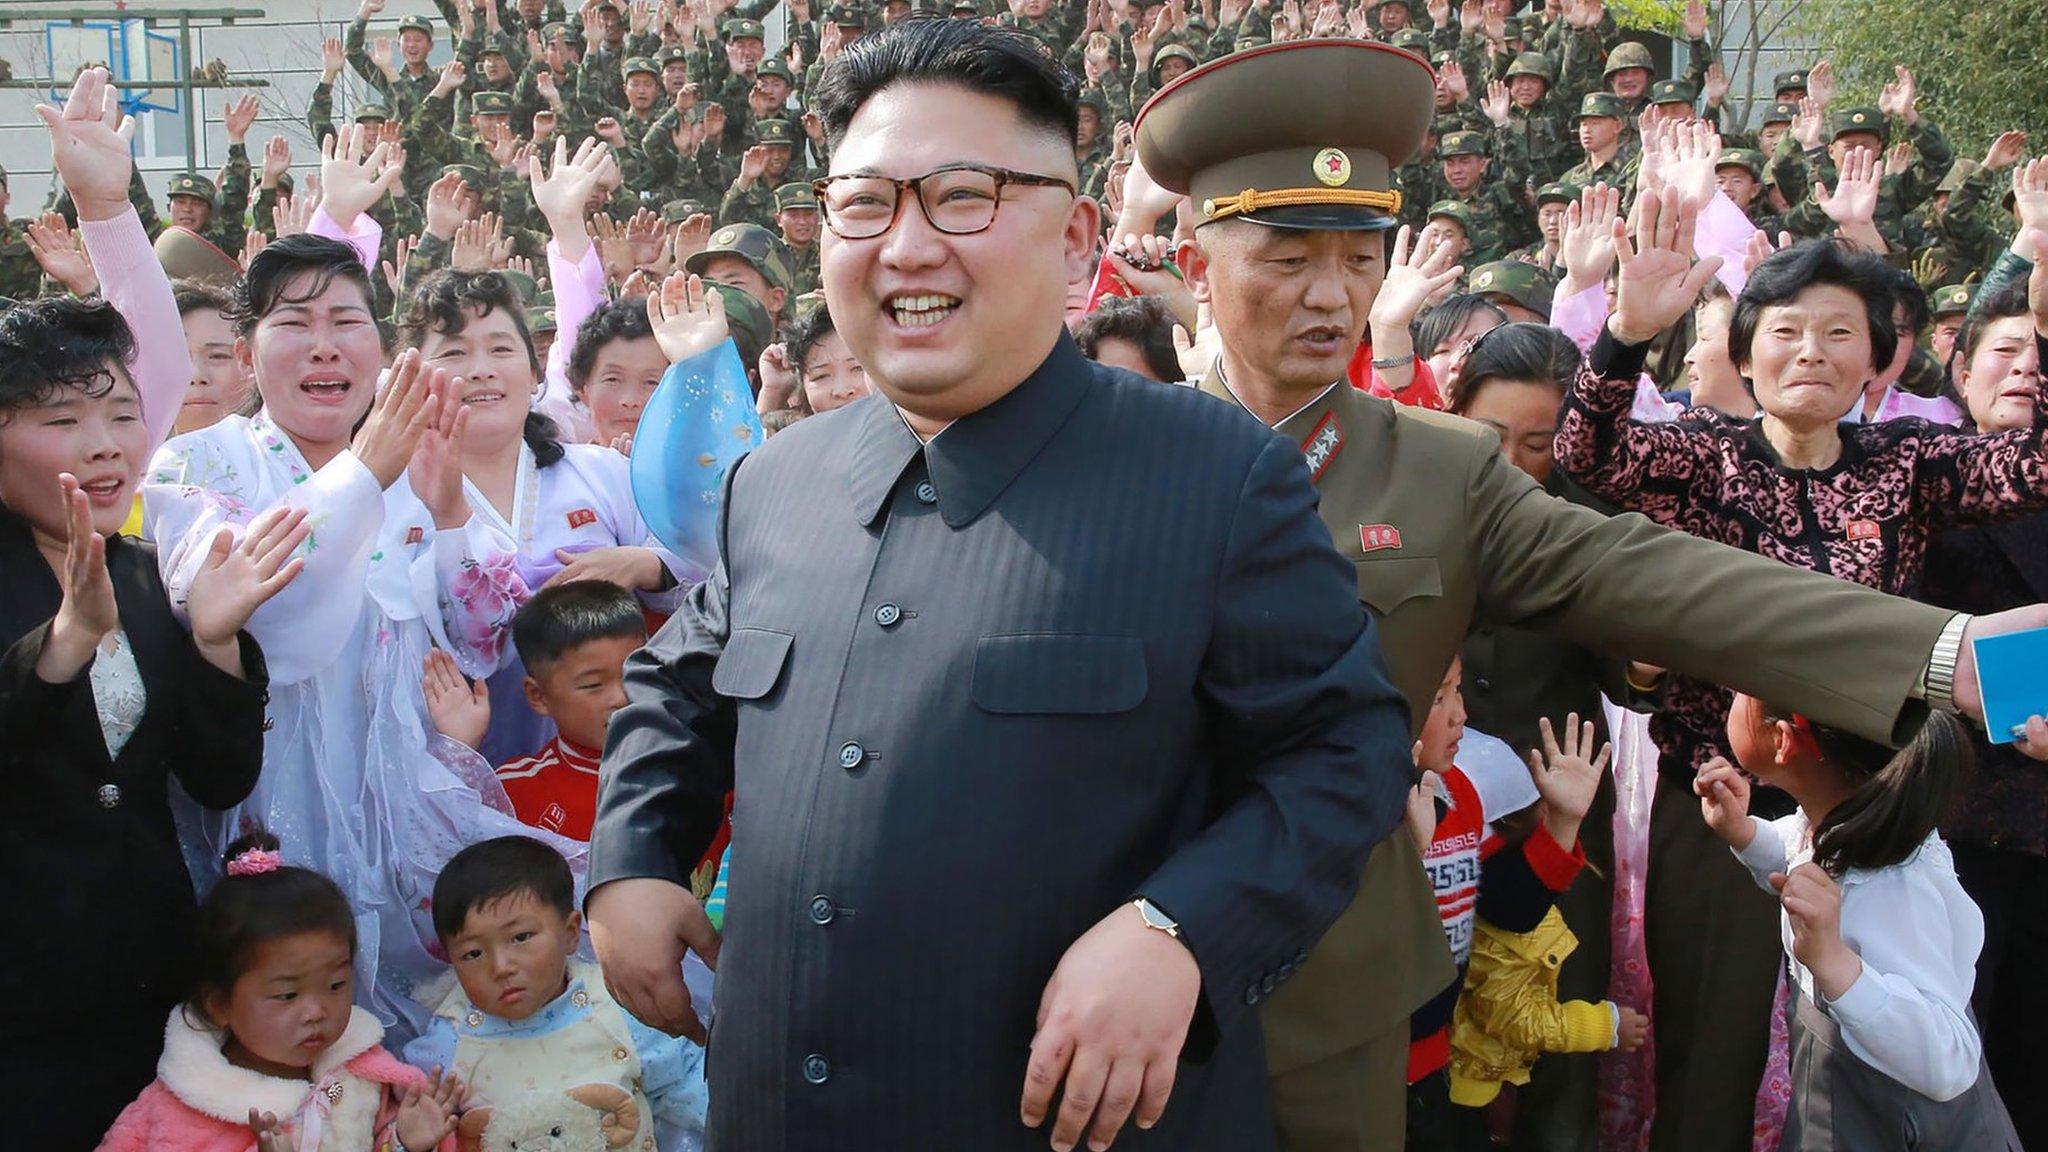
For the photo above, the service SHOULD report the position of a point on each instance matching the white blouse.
(117, 692)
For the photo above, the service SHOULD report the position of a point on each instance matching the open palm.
(89, 144)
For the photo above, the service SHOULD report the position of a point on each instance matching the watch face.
(1155, 918)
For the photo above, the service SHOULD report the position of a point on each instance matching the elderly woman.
(1811, 329)
(2000, 834)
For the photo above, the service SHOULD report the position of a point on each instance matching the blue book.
(2012, 680)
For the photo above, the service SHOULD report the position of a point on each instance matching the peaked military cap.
(186, 255)
(1785, 81)
(1602, 104)
(1748, 159)
(752, 243)
(682, 208)
(1849, 120)
(1629, 54)
(416, 24)
(746, 315)
(846, 16)
(674, 54)
(1462, 144)
(470, 174)
(777, 67)
(1521, 282)
(1412, 40)
(1671, 92)
(1532, 64)
(774, 130)
(372, 112)
(1781, 112)
(1322, 159)
(541, 320)
(192, 184)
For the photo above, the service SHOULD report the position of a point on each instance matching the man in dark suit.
(1057, 732)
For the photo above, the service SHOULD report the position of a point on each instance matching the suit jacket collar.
(978, 455)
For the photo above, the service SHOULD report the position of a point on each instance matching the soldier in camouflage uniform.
(1965, 221)
(415, 79)
(750, 258)
(1606, 156)
(1449, 222)
(766, 165)
(1497, 220)
(798, 220)
(1092, 141)
(20, 276)
(1452, 111)
(1739, 172)
(1520, 289)
(1948, 306)
(1552, 200)
(1869, 129)
(221, 217)
(1536, 135)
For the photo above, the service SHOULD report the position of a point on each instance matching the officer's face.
(191, 212)
(1525, 91)
(1811, 357)
(642, 90)
(1629, 83)
(1738, 185)
(219, 386)
(947, 324)
(2003, 377)
(414, 45)
(1291, 305)
(1462, 173)
(1598, 133)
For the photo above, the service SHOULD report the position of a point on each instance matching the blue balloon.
(698, 422)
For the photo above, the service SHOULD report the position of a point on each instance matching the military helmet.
(1629, 54)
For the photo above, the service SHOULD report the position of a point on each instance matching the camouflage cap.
(491, 104)
(1452, 210)
(1748, 159)
(540, 320)
(777, 67)
(524, 283)
(192, 184)
(1788, 81)
(416, 24)
(1958, 172)
(1629, 54)
(1247, 43)
(672, 54)
(750, 242)
(774, 130)
(1093, 98)
(1412, 40)
(1521, 282)
(1602, 104)
(1557, 192)
(1952, 300)
(1442, 58)
(682, 208)
(640, 64)
(796, 197)
(1847, 120)
(745, 315)
(847, 16)
(368, 112)
(741, 29)
(1519, 28)
(1672, 92)
(470, 174)
(1532, 64)
(1781, 112)
(565, 32)
(966, 6)
(1462, 144)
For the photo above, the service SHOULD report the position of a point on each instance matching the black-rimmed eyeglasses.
(959, 200)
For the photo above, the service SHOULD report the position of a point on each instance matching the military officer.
(1674, 100)
(1442, 532)
(1497, 218)
(1789, 87)
(766, 165)
(415, 78)
(1606, 157)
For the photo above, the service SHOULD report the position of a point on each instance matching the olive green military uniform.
(404, 93)
(1445, 534)
(1555, 192)
(1973, 228)
(1752, 161)
(1497, 217)
(21, 277)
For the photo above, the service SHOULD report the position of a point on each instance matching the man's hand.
(277, 159)
(1820, 85)
(238, 117)
(1497, 103)
(1585, 248)
(331, 60)
(641, 929)
(1806, 123)
(1659, 278)
(1695, 20)
(354, 176)
(1110, 1029)
(688, 318)
(1901, 97)
(61, 254)
(1715, 86)
(2006, 150)
(1968, 695)
(452, 77)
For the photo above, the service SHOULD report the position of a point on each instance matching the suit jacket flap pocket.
(1385, 584)
(751, 663)
(1059, 672)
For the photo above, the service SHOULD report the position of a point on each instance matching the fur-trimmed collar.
(197, 1072)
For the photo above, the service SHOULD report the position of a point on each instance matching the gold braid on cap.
(1252, 200)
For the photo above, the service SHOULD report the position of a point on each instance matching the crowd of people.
(339, 614)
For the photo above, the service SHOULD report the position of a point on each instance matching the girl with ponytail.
(1883, 940)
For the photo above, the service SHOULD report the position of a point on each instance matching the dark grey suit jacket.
(1091, 642)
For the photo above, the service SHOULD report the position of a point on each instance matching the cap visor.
(1321, 218)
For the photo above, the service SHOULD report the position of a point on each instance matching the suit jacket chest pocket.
(1058, 673)
(751, 665)
(1387, 583)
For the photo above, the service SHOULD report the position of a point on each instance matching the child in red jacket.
(271, 1053)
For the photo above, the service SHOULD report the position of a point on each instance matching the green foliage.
(1981, 68)
(1649, 15)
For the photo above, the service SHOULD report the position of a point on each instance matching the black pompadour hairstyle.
(930, 48)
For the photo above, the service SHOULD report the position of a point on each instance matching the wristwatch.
(1155, 919)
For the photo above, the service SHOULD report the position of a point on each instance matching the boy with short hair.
(535, 1033)
(574, 639)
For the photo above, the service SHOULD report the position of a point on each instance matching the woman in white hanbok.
(348, 784)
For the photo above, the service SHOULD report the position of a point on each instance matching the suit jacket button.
(887, 615)
(822, 910)
(1251, 995)
(817, 1069)
(1301, 957)
(851, 754)
(109, 795)
(1483, 684)
(927, 493)
(1267, 984)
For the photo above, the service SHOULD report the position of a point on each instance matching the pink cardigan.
(200, 1103)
